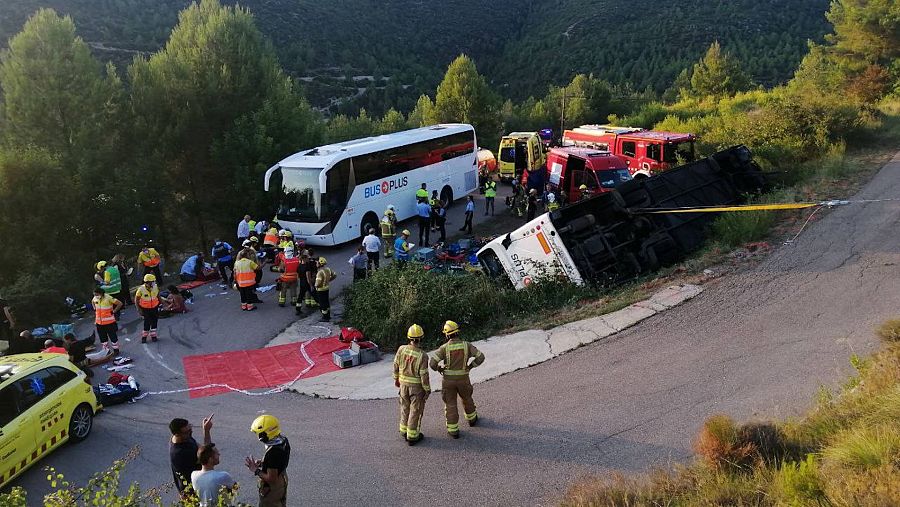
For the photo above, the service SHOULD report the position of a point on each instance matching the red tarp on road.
(259, 368)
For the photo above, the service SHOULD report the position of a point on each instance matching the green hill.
(382, 53)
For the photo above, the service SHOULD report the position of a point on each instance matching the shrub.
(889, 330)
(384, 305)
(798, 483)
(721, 445)
(865, 447)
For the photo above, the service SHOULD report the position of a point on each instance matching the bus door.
(576, 175)
(521, 157)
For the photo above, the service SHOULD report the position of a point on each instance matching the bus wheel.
(447, 196)
(369, 221)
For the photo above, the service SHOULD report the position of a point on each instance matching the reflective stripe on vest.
(271, 238)
(147, 298)
(387, 229)
(490, 189)
(327, 274)
(410, 362)
(103, 310)
(244, 275)
(151, 259)
(449, 349)
(290, 270)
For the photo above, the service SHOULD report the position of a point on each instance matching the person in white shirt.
(261, 228)
(373, 248)
(207, 482)
(243, 231)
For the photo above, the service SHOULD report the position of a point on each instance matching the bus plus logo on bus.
(385, 187)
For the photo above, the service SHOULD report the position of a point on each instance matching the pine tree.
(718, 74)
(464, 97)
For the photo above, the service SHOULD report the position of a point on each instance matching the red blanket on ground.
(259, 368)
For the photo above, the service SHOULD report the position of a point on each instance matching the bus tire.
(447, 196)
(369, 220)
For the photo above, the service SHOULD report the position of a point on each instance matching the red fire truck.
(645, 151)
(570, 167)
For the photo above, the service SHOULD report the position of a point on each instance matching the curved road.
(757, 343)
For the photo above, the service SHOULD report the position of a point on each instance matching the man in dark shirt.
(183, 451)
(77, 349)
(272, 469)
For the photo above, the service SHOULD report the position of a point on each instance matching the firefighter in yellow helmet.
(458, 357)
(388, 231)
(324, 277)
(411, 376)
(272, 469)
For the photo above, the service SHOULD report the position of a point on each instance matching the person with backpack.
(223, 253)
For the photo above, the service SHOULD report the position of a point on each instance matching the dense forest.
(378, 54)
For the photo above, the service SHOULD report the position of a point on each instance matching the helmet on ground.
(450, 327)
(149, 277)
(405, 232)
(100, 265)
(582, 187)
(322, 261)
(415, 332)
(266, 427)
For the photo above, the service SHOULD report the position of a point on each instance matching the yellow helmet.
(450, 328)
(254, 239)
(415, 332)
(149, 277)
(582, 187)
(100, 265)
(266, 427)
(322, 261)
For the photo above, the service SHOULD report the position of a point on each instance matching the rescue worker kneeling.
(411, 376)
(455, 355)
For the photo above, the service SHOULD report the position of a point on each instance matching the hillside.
(379, 53)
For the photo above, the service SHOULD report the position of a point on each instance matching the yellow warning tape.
(748, 207)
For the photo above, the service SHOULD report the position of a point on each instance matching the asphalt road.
(755, 344)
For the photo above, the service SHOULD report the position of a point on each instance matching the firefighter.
(147, 296)
(552, 204)
(583, 190)
(245, 269)
(323, 280)
(289, 266)
(411, 376)
(272, 469)
(455, 356)
(312, 269)
(387, 231)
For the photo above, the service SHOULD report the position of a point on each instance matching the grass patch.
(846, 451)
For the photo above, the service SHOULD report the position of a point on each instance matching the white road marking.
(159, 360)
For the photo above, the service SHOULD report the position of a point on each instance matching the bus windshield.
(299, 197)
(678, 153)
(611, 178)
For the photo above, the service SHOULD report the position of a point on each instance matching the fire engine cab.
(646, 152)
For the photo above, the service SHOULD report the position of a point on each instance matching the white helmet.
(391, 207)
(551, 197)
(289, 252)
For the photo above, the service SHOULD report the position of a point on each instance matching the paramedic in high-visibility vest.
(411, 377)
(147, 297)
(150, 259)
(245, 268)
(455, 356)
(105, 308)
(324, 277)
(490, 192)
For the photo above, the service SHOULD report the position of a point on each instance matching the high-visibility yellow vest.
(149, 259)
(245, 272)
(103, 310)
(147, 298)
(490, 189)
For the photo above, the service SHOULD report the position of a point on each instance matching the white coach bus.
(332, 194)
